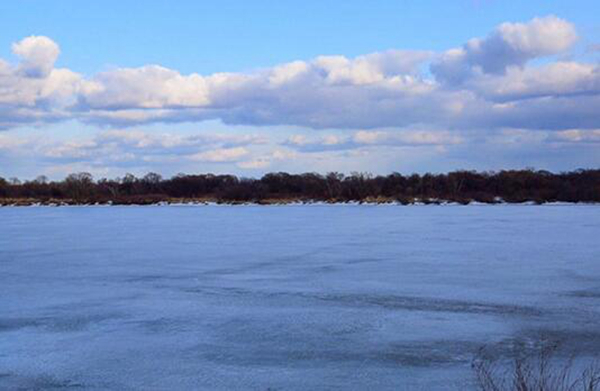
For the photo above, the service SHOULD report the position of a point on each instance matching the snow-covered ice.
(288, 298)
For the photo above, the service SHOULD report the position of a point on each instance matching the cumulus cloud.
(37, 54)
(487, 83)
(550, 80)
(371, 68)
(149, 87)
(33, 91)
(511, 44)
(303, 93)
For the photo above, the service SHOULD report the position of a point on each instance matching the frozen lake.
(288, 297)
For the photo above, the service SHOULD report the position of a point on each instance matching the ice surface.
(287, 297)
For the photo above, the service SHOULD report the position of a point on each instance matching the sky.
(249, 87)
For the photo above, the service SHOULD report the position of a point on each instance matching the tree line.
(513, 186)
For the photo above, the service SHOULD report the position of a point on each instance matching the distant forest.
(513, 186)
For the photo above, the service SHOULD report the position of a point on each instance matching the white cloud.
(578, 136)
(485, 84)
(364, 138)
(406, 138)
(371, 68)
(286, 73)
(255, 164)
(550, 80)
(122, 150)
(37, 54)
(511, 44)
(146, 140)
(539, 37)
(148, 87)
(115, 152)
(220, 155)
(8, 142)
(33, 91)
(267, 160)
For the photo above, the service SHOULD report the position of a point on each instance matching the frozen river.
(288, 297)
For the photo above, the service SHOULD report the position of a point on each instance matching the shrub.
(537, 370)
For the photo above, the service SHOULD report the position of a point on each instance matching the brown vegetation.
(459, 186)
(537, 369)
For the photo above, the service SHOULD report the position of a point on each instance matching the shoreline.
(31, 202)
(458, 187)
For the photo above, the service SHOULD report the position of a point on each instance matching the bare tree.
(79, 185)
(541, 370)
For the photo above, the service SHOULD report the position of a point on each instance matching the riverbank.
(462, 187)
(141, 201)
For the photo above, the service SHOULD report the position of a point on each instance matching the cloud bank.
(488, 83)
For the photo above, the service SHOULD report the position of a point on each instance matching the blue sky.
(234, 35)
(109, 87)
